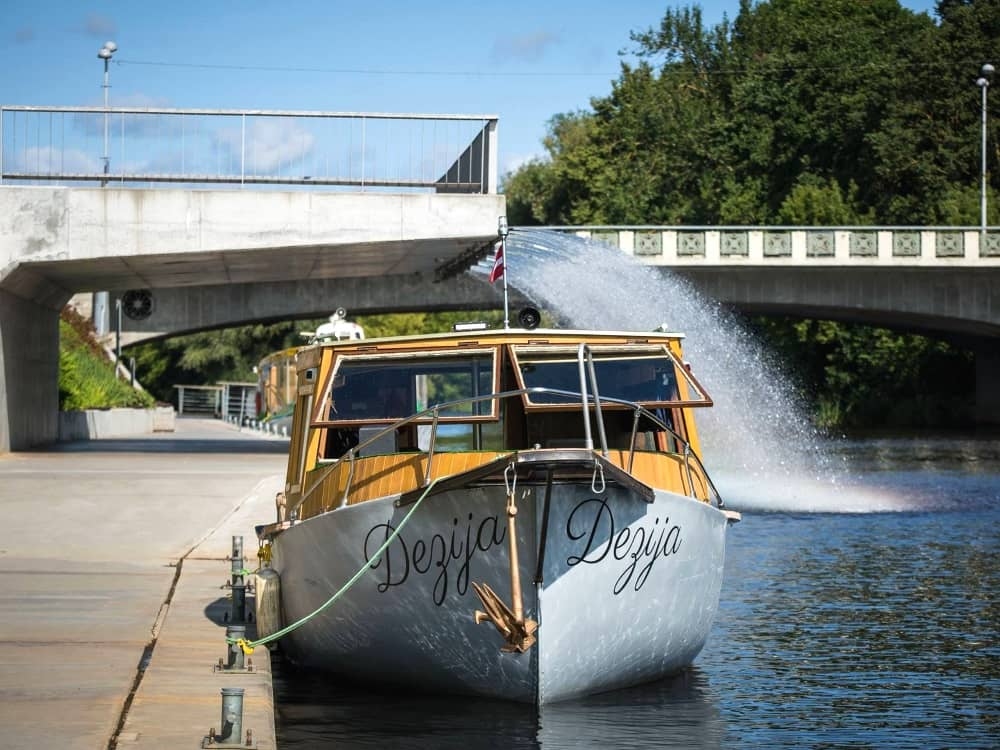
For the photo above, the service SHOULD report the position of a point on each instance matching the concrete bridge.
(935, 280)
(942, 281)
(348, 196)
(185, 259)
(55, 242)
(217, 258)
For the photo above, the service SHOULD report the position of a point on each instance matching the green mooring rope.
(249, 646)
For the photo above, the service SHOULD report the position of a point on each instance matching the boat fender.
(268, 602)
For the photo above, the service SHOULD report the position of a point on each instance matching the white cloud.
(513, 162)
(523, 48)
(97, 25)
(49, 160)
(270, 144)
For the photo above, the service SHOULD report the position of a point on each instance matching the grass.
(87, 378)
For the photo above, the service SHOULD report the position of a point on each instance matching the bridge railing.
(199, 399)
(792, 245)
(334, 150)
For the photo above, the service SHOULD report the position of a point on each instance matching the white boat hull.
(626, 592)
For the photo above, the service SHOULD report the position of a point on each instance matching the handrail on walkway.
(366, 150)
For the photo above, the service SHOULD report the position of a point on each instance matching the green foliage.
(795, 112)
(861, 375)
(802, 112)
(817, 202)
(87, 378)
(212, 356)
(232, 354)
(960, 205)
(529, 194)
(411, 324)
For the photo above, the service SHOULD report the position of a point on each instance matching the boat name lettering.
(422, 556)
(593, 521)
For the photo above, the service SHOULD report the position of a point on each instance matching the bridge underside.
(185, 310)
(56, 242)
(961, 302)
(960, 305)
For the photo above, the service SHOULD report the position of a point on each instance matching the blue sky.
(523, 61)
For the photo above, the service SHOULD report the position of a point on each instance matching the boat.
(276, 384)
(276, 376)
(511, 513)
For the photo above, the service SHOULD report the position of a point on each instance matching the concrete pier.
(113, 556)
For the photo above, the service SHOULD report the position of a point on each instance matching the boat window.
(649, 375)
(387, 388)
(462, 437)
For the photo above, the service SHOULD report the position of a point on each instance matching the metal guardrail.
(239, 401)
(227, 400)
(199, 399)
(376, 151)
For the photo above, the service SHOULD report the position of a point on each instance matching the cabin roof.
(494, 336)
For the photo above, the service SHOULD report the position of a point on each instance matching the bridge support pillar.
(29, 373)
(988, 382)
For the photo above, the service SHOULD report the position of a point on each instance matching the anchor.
(518, 633)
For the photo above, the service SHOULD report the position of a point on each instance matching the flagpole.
(502, 231)
(506, 305)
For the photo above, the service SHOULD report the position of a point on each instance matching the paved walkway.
(112, 557)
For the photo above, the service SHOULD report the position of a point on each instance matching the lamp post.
(983, 82)
(105, 54)
(100, 311)
(118, 333)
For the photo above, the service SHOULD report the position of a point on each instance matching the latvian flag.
(498, 266)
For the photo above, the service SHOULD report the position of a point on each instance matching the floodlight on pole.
(983, 82)
(105, 54)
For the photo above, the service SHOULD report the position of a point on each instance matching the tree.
(724, 124)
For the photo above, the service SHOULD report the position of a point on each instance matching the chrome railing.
(585, 356)
(684, 450)
(377, 151)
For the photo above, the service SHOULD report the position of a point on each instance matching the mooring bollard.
(237, 559)
(239, 611)
(231, 734)
(236, 585)
(233, 634)
(232, 714)
(235, 661)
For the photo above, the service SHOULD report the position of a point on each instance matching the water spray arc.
(759, 433)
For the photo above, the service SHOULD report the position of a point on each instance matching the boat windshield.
(377, 388)
(651, 376)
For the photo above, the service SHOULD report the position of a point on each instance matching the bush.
(87, 378)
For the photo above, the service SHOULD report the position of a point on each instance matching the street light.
(983, 82)
(105, 54)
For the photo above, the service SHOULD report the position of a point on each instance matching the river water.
(860, 603)
(839, 625)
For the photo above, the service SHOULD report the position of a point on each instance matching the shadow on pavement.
(170, 445)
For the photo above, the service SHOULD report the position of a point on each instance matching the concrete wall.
(29, 373)
(95, 424)
(107, 226)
